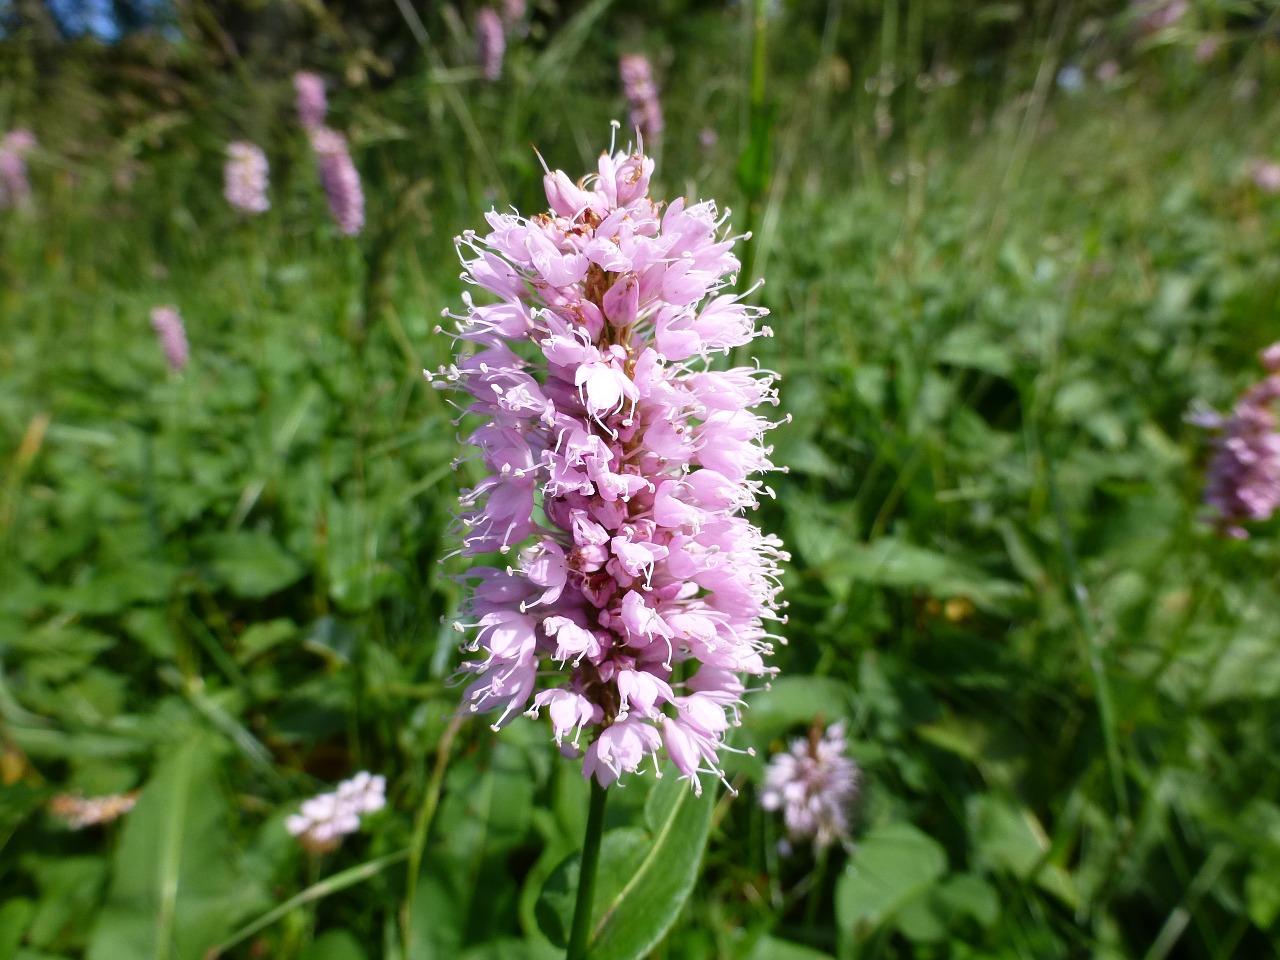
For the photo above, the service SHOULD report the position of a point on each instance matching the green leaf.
(15, 916)
(1011, 839)
(1262, 896)
(466, 891)
(890, 562)
(964, 895)
(971, 346)
(892, 866)
(656, 880)
(771, 948)
(251, 563)
(174, 888)
(334, 945)
(261, 637)
(70, 888)
(794, 700)
(646, 874)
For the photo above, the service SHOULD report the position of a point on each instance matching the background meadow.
(1007, 248)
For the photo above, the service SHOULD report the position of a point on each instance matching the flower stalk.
(580, 930)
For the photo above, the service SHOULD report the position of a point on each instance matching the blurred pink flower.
(1157, 15)
(312, 105)
(1207, 49)
(492, 42)
(325, 819)
(15, 188)
(19, 140)
(1243, 482)
(245, 177)
(1265, 175)
(172, 336)
(814, 784)
(340, 179)
(642, 95)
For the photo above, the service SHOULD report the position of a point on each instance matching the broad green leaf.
(1010, 838)
(963, 894)
(174, 887)
(646, 874)
(334, 945)
(466, 883)
(261, 637)
(891, 562)
(70, 888)
(1262, 895)
(891, 867)
(629, 922)
(251, 563)
(971, 346)
(15, 916)
(772, 948)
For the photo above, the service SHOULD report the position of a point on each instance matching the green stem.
(317, 891)
(422, 825)
(756, 179)
(1101, 686)
(581, 929)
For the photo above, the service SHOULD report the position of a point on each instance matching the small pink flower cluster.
(15, 188)
(1265, 175)
(1244, 476)
(340, 179)
(311, 102)
(619, 466)
(245, 178)
(492, 41)
(642, 95)
(325, 819)
(172, 336)
(815, 785)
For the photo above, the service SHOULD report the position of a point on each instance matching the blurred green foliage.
(993, 300)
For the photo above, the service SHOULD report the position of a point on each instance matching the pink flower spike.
(340, 179)
(492, 41)
(172, 336)
(245, 176)
(312, 104)
(814, 784)
(1243, 484)
(618, 469)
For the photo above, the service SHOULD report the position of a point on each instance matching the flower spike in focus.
(631, 594)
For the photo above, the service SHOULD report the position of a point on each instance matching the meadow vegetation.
(994, 300)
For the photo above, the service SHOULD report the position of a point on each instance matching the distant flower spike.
(340, 179)
(815, 785)
(618, 469)
(172, 336)
(492, 40)
(325, 819)
(245, 177)
(1244, 476)
(15, 188)
(642, 96)
(311, 101)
